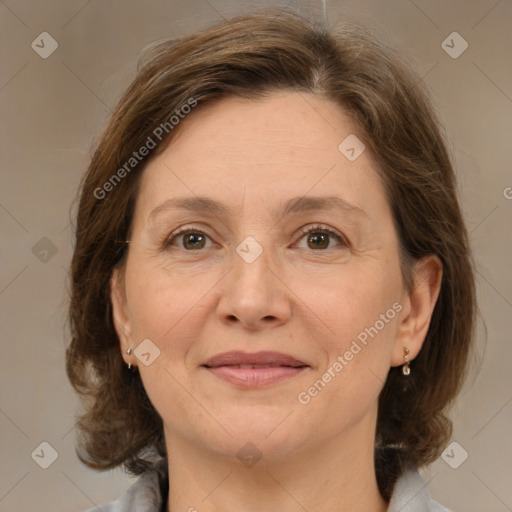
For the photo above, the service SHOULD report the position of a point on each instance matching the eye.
(319, 237)
(191, 239)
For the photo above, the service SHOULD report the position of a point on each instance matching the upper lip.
(257, 358)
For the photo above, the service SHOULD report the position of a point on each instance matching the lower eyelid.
(340, 239)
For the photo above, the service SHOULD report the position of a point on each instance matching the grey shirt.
(149, 494)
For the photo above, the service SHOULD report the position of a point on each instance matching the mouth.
(256, 370)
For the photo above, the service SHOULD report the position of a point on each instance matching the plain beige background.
(53, 109)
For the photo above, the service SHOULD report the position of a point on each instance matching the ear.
(418, 306)
(120, 313)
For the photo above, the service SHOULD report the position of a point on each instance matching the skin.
(298, 298)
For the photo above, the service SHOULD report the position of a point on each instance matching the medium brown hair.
(250, 56)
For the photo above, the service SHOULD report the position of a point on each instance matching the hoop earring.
(406, 370)
(128, 352)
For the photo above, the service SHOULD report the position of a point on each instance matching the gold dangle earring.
(128, 352)
(406, 370)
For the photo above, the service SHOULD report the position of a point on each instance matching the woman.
(272, 292)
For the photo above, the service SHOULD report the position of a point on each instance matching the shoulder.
(411, 494)
(147, 494)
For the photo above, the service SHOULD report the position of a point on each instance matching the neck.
(337, 476)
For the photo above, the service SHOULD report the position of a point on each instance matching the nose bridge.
(254, 293)
(252, 268)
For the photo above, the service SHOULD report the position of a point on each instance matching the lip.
(237, 358)
(246, 370)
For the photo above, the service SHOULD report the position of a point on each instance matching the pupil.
(319, 237)
(192, 239)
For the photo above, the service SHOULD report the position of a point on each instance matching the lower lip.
(255, 377)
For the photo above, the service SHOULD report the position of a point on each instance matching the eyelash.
(315, 228)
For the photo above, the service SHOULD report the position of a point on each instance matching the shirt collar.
(149, 493)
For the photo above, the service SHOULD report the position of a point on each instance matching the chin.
(268, 430)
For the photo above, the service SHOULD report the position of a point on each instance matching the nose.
(254, 296)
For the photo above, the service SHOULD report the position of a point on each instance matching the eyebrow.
(295, 205)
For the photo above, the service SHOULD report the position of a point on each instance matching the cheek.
(358, 355)
(159, 301)
(361, 310)
(164, 309)
(354, 298)
(170, 309)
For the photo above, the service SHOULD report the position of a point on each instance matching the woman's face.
(286, 245)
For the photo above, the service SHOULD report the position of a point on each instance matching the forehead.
(283, 146)
(301, 120)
